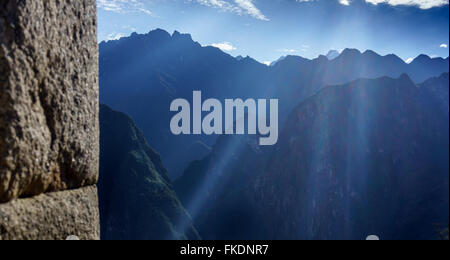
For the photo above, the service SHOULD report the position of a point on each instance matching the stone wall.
(49, 132)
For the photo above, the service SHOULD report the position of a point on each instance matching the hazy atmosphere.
(268, 29)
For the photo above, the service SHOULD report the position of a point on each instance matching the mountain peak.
(278, 60)
(405, 77)
(295, 57)
(249, 59)
(157, 34)
(292, 60)
(182, 36)
(370, 53)
(322, 58)
(159, 31)
(406, 81)
(141, 184)
(350, 52)
(333, 54)
(422, 58)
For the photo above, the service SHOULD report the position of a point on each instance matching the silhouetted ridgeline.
(136, 197)
(359, 158)
(142, 74)
(363, 149)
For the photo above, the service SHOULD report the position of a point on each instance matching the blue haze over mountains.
(363, 145)
(141, 74)
(367, 157)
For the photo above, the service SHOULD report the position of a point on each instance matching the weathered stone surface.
(52, 216)
(48, 96)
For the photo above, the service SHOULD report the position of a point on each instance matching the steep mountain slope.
(369, 157)
(136, 197)
(436, 90)
(214, 189)
(142, 74)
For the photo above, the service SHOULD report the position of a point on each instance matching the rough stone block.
(49, 133)
(52, 216)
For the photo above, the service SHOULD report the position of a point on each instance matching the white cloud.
(123, 6)
(409, 60)
(224, 46)
(423, 4)
(445, 46)
(267, 63)
(240, 7)
(250, 8)
(114, 36)
(221, 4)
(287, 50)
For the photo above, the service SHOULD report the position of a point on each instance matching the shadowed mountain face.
(424, 67)
(142, 74)
(215, 189)
(136, 197)
(369, 157)
(436, 90)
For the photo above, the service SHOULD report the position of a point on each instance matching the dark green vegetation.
(137, 200)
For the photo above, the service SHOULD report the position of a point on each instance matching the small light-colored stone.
(52, 216)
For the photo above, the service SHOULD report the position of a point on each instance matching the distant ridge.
(420, 69)
(142, 73)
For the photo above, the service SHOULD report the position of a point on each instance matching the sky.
(268, 29)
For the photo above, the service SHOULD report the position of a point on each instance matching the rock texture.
(368, 157)
(49, 129)
(48, 96)
(52, 216)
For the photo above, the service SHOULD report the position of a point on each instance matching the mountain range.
(363, 145)
(141, 75)
(367, 157)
